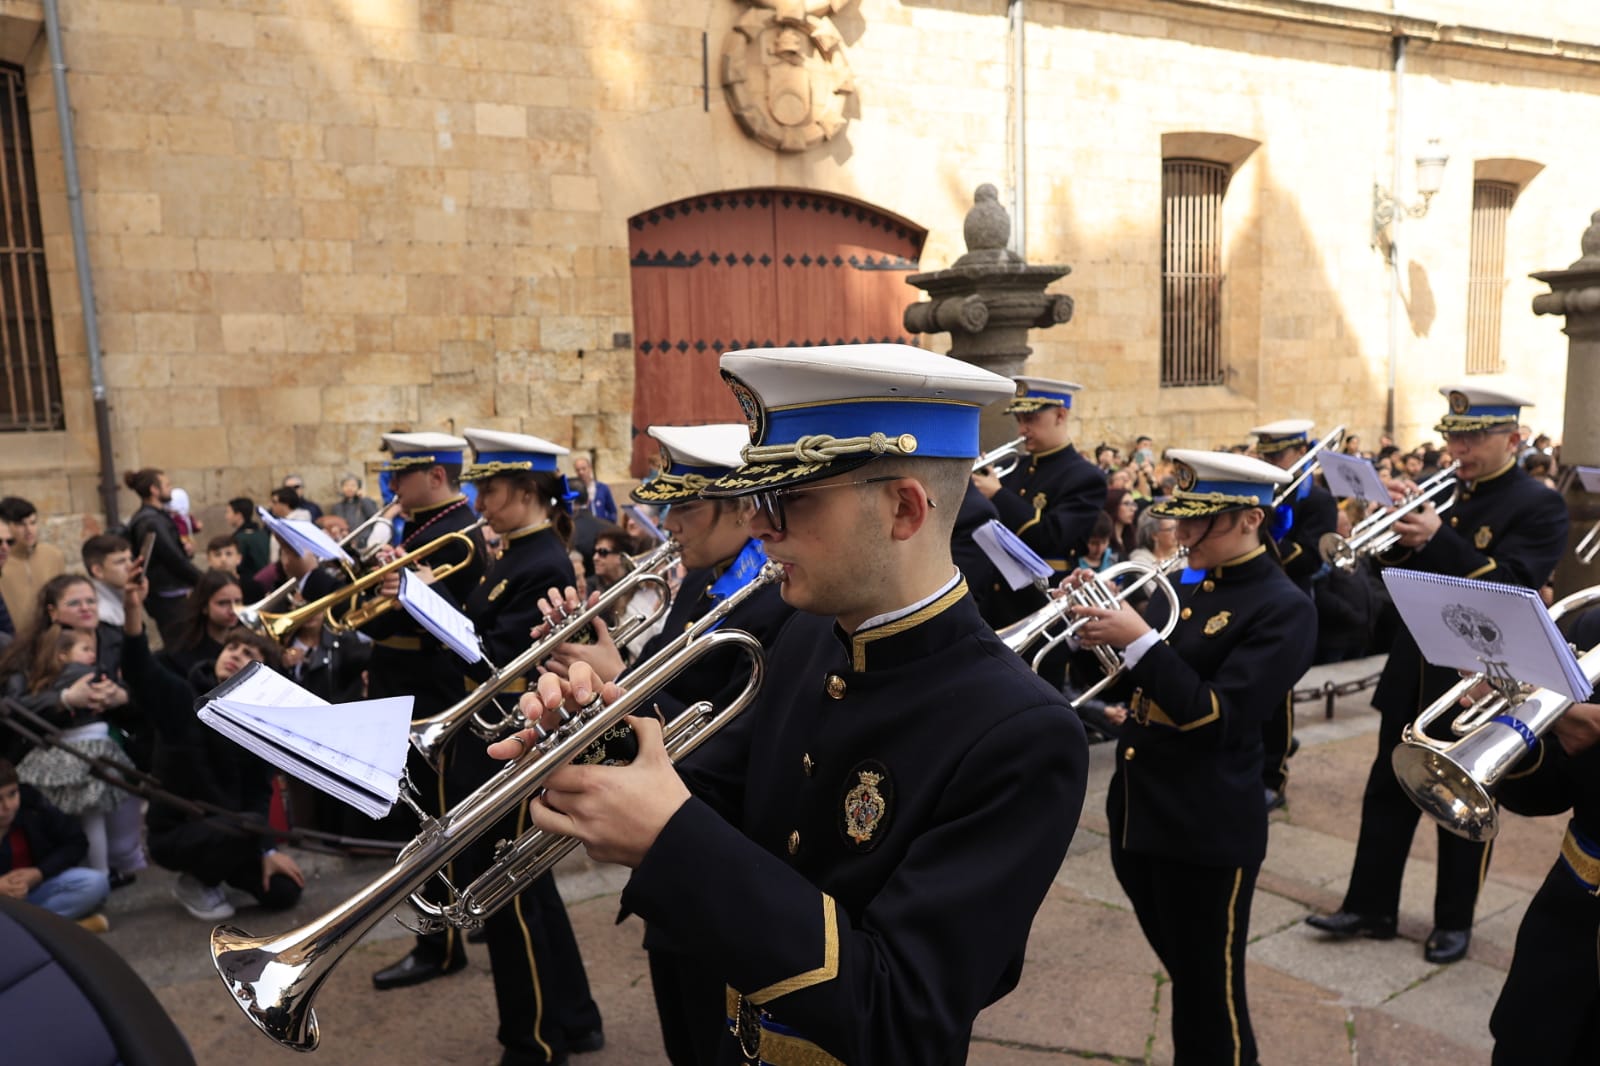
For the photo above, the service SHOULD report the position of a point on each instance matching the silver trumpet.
(1004, 458)
(1589, 546)
(274, 979)
(1044, 630)
(1375, 534)
(431, 735)
(1453, 781)
(377, 530)
(1305, 465)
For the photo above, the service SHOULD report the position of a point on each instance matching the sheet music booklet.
(304, 537)
(1018, 564)
(1589, 478)
(1351, 475)
(438, 616)
(355, 752)
(1484, 627)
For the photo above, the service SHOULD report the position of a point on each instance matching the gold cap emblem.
(1459, 404)
(1022, 388)
(754, 416)
(1186, 476)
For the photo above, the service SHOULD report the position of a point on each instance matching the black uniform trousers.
(1194, 915)
(1549, 1009)
(1388, 824)
(211, 851)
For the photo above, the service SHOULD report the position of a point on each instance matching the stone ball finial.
(988, 225)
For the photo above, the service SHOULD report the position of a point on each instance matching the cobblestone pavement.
(1092, 990)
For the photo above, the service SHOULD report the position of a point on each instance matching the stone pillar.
(988, 300)
(1575, 295)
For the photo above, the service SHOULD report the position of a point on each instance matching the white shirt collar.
(885, 619)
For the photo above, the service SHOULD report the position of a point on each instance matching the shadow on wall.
(1418, 297)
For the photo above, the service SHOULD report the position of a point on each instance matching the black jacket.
(1051, 501)
(976, 510)
(504, 606)
(192, 760)
(1315, 513)
(170, 568)
(865, 857)
(55, 840)
(1187, 784)
(1549, 780)
(1506, 527)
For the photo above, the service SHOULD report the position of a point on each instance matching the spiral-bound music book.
(355, 752)
(1486, 627)
(1018, 564)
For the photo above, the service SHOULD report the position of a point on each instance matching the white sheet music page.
(1589, 477)
(304, 537)
(1351, 475)
(1486, 627)
(435, 614)
(1018, 564)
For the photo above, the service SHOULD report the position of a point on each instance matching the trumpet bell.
(1446, 791)
(268, 988)
(1336, 551)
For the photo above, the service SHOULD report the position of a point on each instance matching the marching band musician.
(1297, 527)
(1504, 526)
(540, 986)
(720, 556)
(1549, 1008)
(1051, 500)
(1188, 821)
(425, 476)
(862, 860)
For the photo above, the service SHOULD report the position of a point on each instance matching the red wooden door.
(759, 268)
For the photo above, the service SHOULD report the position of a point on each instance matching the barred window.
(30, 389)
(1191, 272)
(1486, 274)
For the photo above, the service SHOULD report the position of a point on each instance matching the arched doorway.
(754, 268)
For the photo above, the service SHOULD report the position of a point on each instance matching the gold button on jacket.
(834, 686)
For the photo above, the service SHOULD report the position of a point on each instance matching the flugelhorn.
(1044, 630)
(250, 614)
(1453, 781)
(1375, 534)
(1008, 455)
(274, 979)
(280, 626)
(430, 735)
(1304, 466)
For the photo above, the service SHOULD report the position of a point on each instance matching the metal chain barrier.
(36, 730)
(1328, 692)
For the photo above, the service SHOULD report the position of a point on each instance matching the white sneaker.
(206, 902)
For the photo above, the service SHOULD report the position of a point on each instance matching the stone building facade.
(312, 221)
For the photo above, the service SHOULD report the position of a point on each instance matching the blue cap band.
(944, 430)
(540, 460)
(1254, 490)
(1487, 411)
(1048, 394)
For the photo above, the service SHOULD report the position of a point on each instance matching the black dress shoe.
(587, 1041)
(414, 970)
(1348, 924)
(1447, 945)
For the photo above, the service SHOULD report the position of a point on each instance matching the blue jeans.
(72, 893)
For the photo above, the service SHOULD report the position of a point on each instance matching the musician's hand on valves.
(596, 646)
(1113, 628)
(1579, 728)
(986, 482)
(1418, 527)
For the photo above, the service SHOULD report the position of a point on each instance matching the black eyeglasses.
(605, 553)
(7, 541)
(770, 503)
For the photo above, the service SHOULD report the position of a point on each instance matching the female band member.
(1187, 813)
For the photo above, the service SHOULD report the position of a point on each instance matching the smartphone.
(146, 548)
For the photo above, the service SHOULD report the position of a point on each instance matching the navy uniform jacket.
(1315, 513)
(504, 607)
(1051, 502)
(1187, 784)
(717, 676)
(864, 865)
(1506, 527)
(407, 660)
(976, 510)
(1549, 780)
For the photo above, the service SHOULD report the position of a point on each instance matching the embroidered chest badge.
(494, 593)
(1482, 537)
(1218, 622)
(867, 803)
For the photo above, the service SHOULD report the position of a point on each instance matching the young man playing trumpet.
(862, 858)
(1503, 526)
